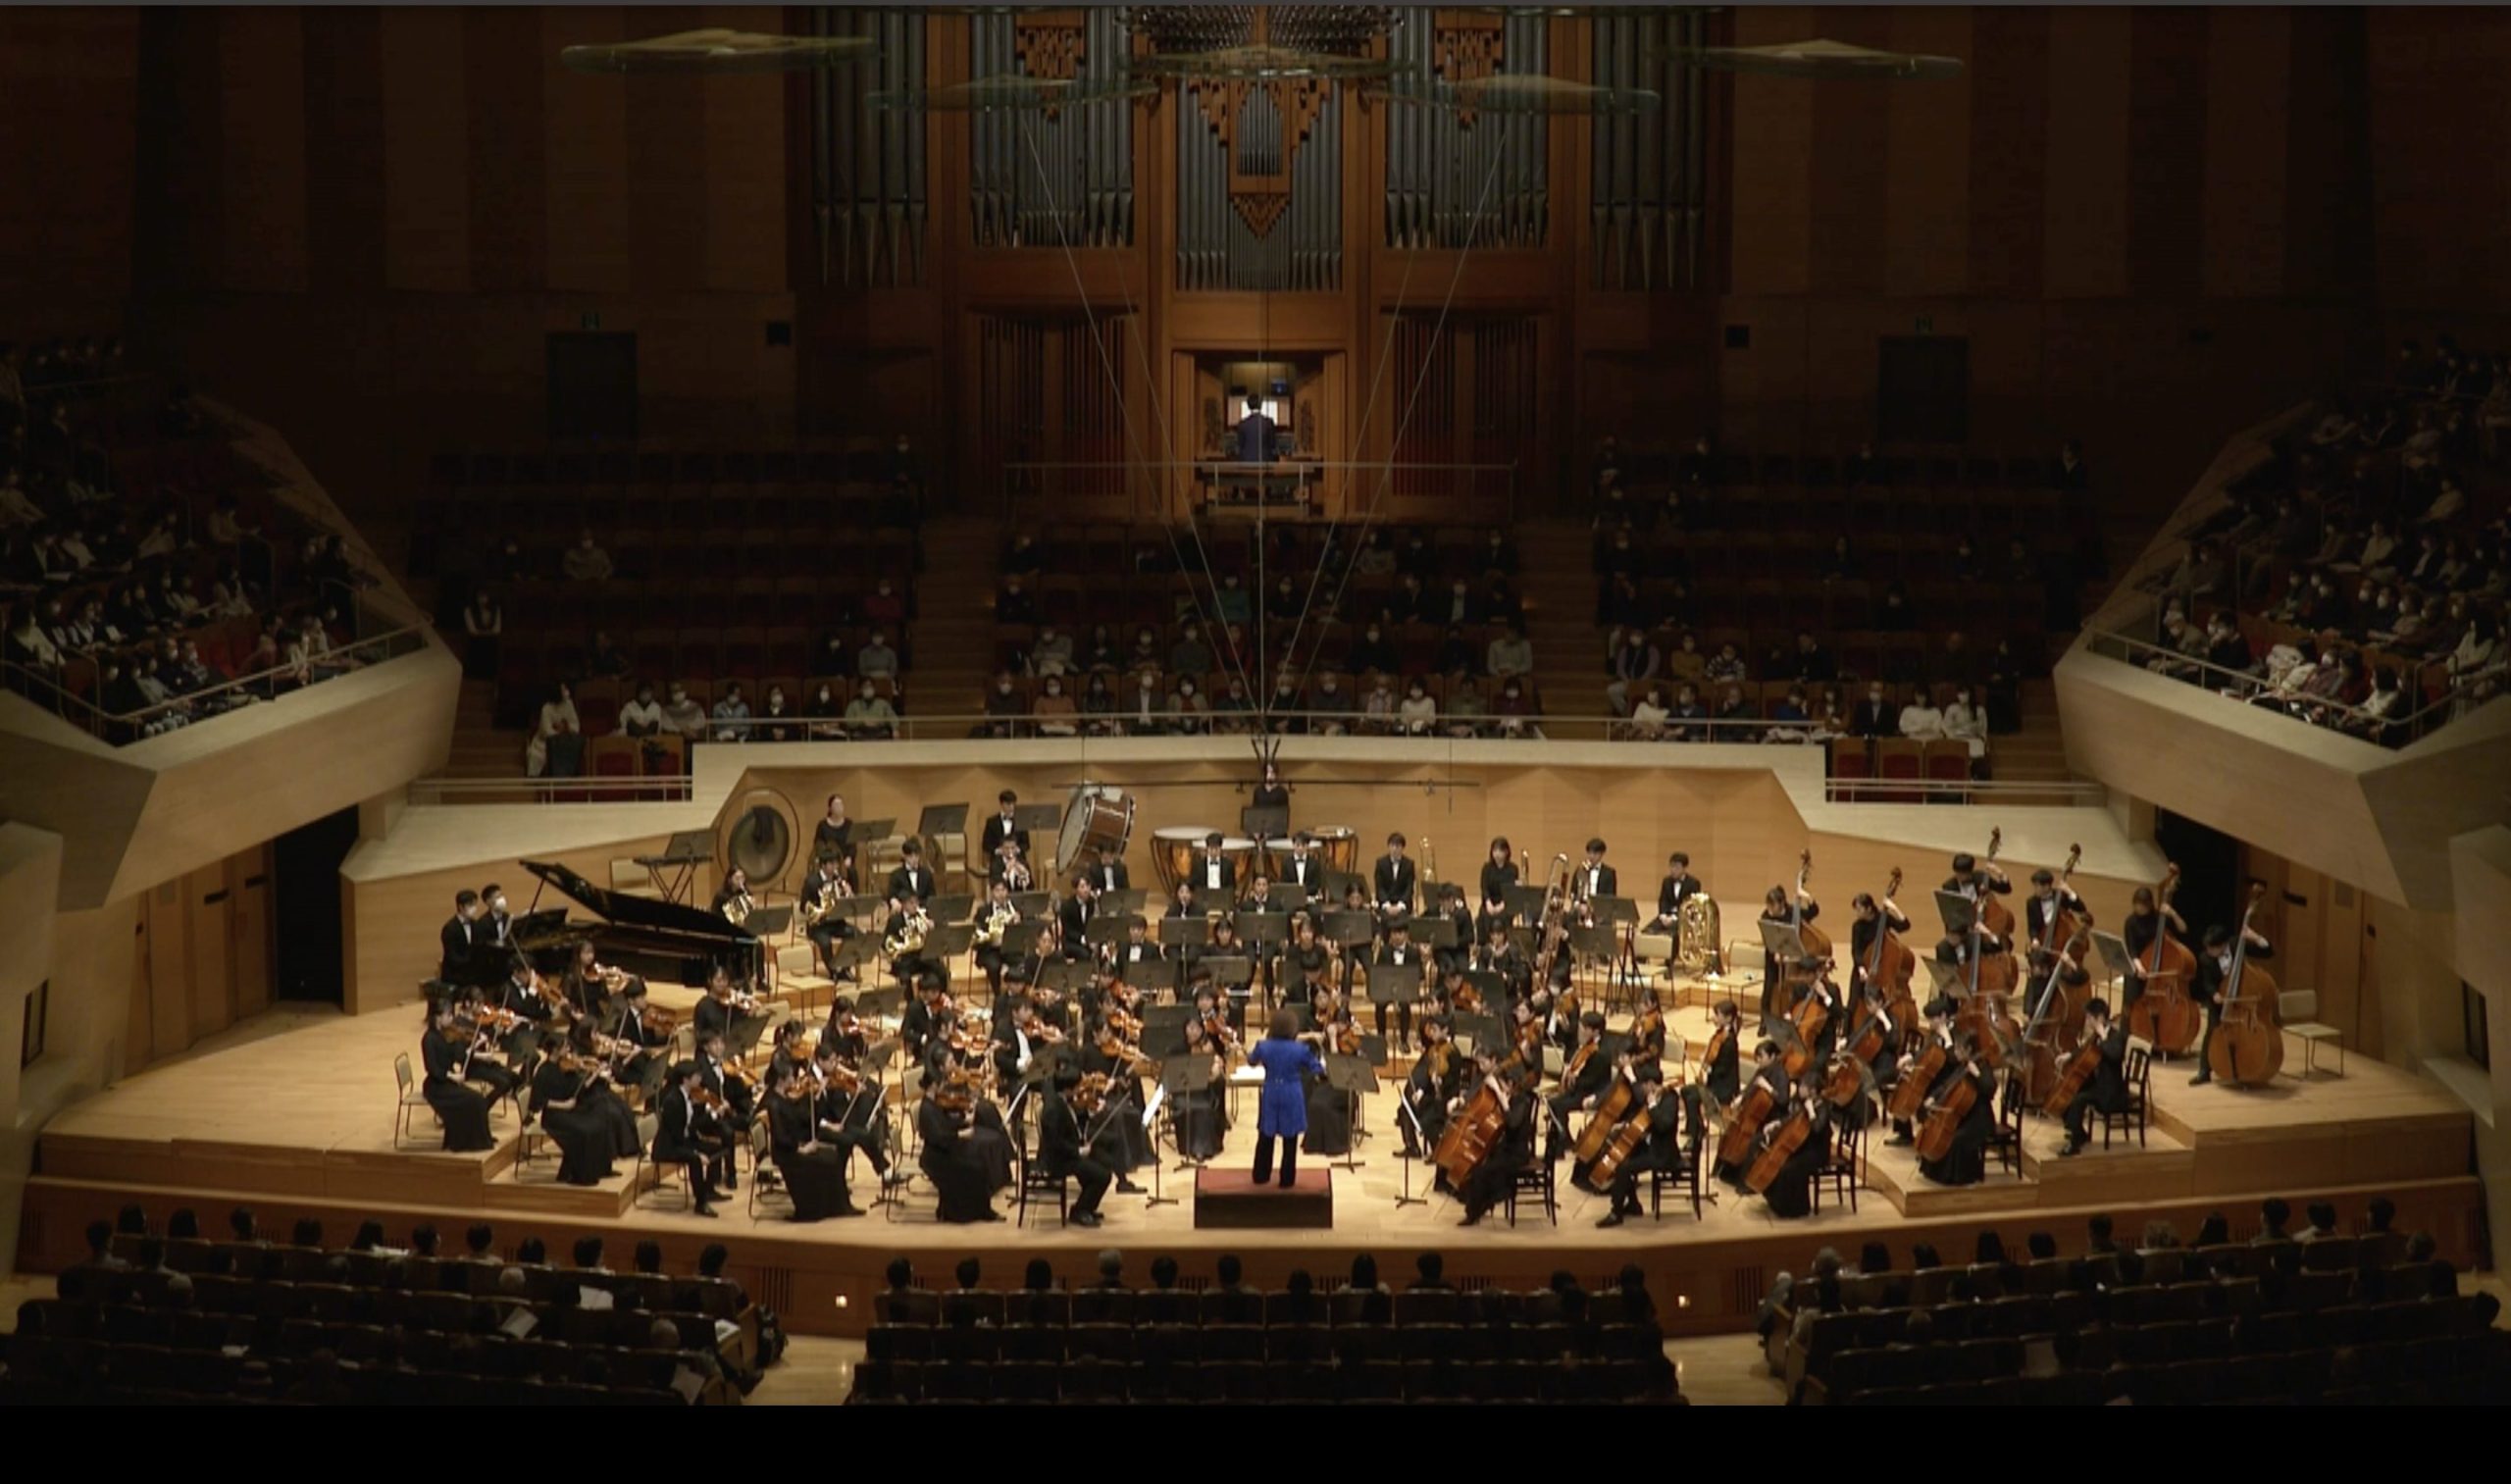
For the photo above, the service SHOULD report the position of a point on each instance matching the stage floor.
(293, 1110)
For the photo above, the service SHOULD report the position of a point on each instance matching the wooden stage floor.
(292, 1112)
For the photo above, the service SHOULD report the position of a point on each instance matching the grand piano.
(661, 942)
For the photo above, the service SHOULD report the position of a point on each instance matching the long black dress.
(1200, 1120)
(816, 1179)
(464, 1112)
(583, 1135)
(1329, 1114)
(1966, 1164)
(952, 1163)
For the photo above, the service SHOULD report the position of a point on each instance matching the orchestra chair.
(2137, 1071)
(2297, 1011)
(2005, 1142)
(765, 1179)
(411, 1097)
(797, 973)
(1843, 1172)
(1535, 1179)
(1689, 1180)
(1032, 1179)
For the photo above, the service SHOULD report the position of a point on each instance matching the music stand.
(2114, 957)
(945, 943)
(1332, 884)
(1348, 930)
(1264, 821)
(879, 1001)
(1037, 819)
(1354, 1077)
(861, 910)
(1494, 989)
(1525, 903)
(1104, 931)
(1067, 977)
(1394, 983)
(951, 909)
(1405, 1155)
(1180, 1076)
(870, 831)
(941, 819)
(1020, 939)
(1127, 901)
(1032, 903)
(1290, 897)
(1184, 932)
(1436, 931)
(1481, 1031)
(1781, 948)
(767, 922)
(1268, 929)
(1164, 1030)
(1960, 912)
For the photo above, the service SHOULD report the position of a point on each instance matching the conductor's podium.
(1230, 1200)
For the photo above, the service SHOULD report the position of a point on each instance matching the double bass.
(1992, 973)
(2248, 1047)
(1890, 963)
(2163, 1015)
(2044, 1037)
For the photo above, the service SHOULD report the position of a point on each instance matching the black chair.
(1036, 1181)
(1843, 1171)
(2137, 1113)
(1692, 1180)
(2005, 1142)
(1535, 1179)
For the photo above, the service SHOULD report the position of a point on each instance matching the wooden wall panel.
(1849, 187)
(167, 954)
(2008, 63)
(210, 950)
(588, 156)
(1929, 162)
(2438, 131)
(2248, 116)
(260, 118)
(2089, 80)
(1771, 223)
(69, 101)
(344, 167)
(505, 72)
(427, 154)
(248, 896)
(2167, 138)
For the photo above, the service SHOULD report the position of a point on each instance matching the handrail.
(2244, 688)
(97, 721)
(1031, 478)
(644, 788)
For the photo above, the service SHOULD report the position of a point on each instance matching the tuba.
(1696, 933)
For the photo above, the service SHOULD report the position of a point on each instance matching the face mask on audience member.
(870, 691)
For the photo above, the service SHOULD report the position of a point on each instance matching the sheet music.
(1151, 1110)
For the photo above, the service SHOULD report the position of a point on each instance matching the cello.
(1917, 1079)
(1945, 1117)
(2248, 1047)
(1472, 1133)
(1626, 1140)
(1593, 1139)
(2163, 1015)
(1753, 1107)
(1781, 1148)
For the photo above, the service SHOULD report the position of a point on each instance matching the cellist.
(1966, 1161)
(1430, 1087)
(1939, 1036)
(2214, 968)
(2145, 919)
(1662, 1109)
(1770, 1072)
(2106, 1092)
(1791, 1194)
(1585, 1077)
(1512, 1151)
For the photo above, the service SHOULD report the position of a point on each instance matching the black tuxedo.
(1204, 880)
(1588, 883)
(1674, 892)
(460, 939)
(1076, 915)
(2036, 914)
(1061, 1152)
(905, 881)
(1307, 872)
(1394, 877)
(1110, 876)
(997, 831)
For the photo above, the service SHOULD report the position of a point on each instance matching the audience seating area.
(146, 566)
(1233, 1344)
(2336, 1320)
(708, 567)
(173, 1319)
(2358, 581)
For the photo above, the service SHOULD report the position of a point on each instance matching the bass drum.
(1098, 818)
(1173, 852)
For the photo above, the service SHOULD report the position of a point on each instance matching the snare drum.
(1100, 819)
(1174, 852)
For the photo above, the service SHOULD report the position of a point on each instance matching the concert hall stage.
(291, 1112)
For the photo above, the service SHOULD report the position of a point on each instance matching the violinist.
(1938, 1037)
(1397, 953)
(1872, 918)
(1018, 1037)
(814, 1171)
(1076, 1109)
(1289, 1059)
(1114, 1054)
(2145, 919)
(1679, 886)
(597, 1055)
(482, 1062)
(2106, 1091)
(739, 1018)
(1224, 944)
(522, 997)
(928, 1007)
(2213, 971)
(1428, 1087)
(1329, 1110)
(585, 985)
(849, 1110)
(686, 1135)
(566, 1093)
(1966, 1163)
(1719, 1070)
(1661, 1150)
(827, 888)
(1140, 957)
(846, 1032)
(788, 1053)
(445, 1049)
(1513, 1150)
(735, 1096)
(1585, 1077)
(1200, 1118)
(965, 1161)
(632, 1026)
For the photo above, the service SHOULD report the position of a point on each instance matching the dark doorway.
(306, 900)
(2210, 878)
(593, 385)
(1923, 390)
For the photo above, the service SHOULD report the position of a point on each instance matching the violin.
(1466, 1000)
(1090, 1093)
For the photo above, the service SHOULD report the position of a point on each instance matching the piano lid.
(640, 911)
